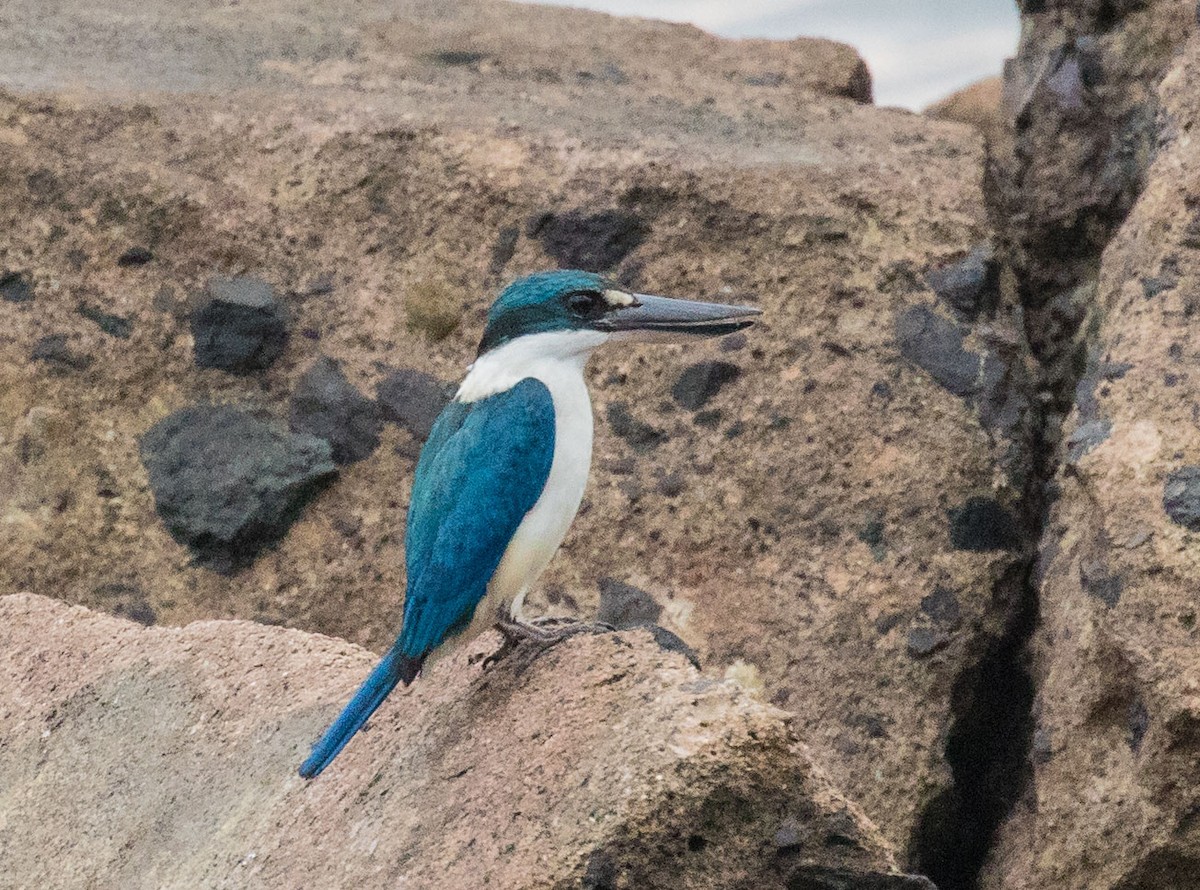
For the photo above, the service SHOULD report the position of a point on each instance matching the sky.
(918, 50)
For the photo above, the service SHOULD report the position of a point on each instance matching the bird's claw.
(536, 637)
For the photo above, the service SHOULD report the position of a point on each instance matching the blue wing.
(482, 469)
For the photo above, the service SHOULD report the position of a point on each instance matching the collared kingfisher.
(501, 477)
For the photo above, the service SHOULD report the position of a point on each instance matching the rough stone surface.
(239, 327)
(15, 287)
(355, 146)
(969, 286)
(623, 605)
(144, 758)
(326, 405)
(413, 399)
(700, 382)
(980, 105)
(227, 484)
(1113, 799)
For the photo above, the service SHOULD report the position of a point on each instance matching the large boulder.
(138, 757)
(1116, 755)
(838, 521)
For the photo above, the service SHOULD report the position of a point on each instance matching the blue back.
(482, 469)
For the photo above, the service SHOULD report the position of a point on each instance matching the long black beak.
(665, 315)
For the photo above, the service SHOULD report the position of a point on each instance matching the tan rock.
(1115, 785)
(979, 105)
(799, 522)
(137, 757)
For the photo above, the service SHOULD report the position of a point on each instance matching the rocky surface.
(149, 757)
(1114, 791)
(792, 526)
(227, 484)
(981, 105)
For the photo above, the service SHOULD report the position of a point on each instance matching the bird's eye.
(587, 304)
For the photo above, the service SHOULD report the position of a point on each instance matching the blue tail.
(392, 670)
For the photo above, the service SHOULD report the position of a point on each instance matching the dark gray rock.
(623, 605)
(55, 351)
(670, 642)
(971, 286)
(135, 256)
(240, 327)
(15, 287)
(671, 485)
(925, 639)
(1086, 437)
(1098, 581)
(1181, 497)
(1139, 724)
(981, 525)
(114, 325)
(413, 400)
(700, 382)
(595, 242)
(641, 436)
(935, 344)
(503, 249)
(1096, 373)
(326, 405)
(942, 607)
(229, 485)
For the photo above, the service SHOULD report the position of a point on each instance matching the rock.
(980, 105)
(1181, 497)
(981, 525)
(15, 287)
(413, 399)
(924, 640)
(623, 605)
(1086, 437)
(135, 256)
(1111, 804)
(596, 242)
(969, 286)
(239, 327)
(935, 344)
(700, 382)
(55, 351)
(366, 157)
(114, 325)
(326, 405)
(641, 436)
(942, 607)
(227, 484)
(707, 773)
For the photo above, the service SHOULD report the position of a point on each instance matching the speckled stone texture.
(792, 526)
(139, 757)
(1116, 755)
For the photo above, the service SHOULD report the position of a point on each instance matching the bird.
(503, 471)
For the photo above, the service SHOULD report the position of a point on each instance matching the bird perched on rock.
(502, 474)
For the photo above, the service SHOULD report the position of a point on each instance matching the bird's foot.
(534, 638)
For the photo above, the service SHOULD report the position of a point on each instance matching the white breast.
(556, 359)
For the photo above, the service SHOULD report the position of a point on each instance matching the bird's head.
(570, 301)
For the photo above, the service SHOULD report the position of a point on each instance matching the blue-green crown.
(544, 301)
